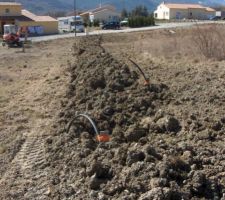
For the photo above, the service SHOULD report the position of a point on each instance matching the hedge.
(141, 21)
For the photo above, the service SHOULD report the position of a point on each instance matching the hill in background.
(44, 6)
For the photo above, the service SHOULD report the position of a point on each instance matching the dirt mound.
(145, 159)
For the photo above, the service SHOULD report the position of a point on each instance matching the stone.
(163, 169)
(109, 111)
(102, 196)
(169, 124)
(197, 183)
(93, 194)
(97, 82)
(146, 122)
(158, 182)
(157, 194)
(134, 157)
(187, 157)
(134, 133)
(101, 171)
(151, 151)
(95, 183)
(217, 126)
(69, 191)
(159, 114)
(222, 120)
(205, 135)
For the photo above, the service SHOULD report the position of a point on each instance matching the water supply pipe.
(136, 65)
(100, 136)
(88, 118)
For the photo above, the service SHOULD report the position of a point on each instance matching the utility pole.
(75, 16)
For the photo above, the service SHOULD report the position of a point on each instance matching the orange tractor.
(11, 37)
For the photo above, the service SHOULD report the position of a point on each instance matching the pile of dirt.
(147, 157)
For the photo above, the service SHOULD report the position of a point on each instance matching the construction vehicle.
(11, 37)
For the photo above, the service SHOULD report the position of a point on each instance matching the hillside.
(43, 6)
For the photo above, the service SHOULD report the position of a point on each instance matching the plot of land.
(167, 138)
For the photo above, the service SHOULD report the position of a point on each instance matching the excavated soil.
(167, 137)
(166, 134)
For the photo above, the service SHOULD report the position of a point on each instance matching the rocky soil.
(167, 139)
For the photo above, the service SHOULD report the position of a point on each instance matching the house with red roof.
(13, 13)
(170, 11)
(105, 13)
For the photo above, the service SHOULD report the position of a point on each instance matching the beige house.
(103, 14)
(12, 13)
(183, 11)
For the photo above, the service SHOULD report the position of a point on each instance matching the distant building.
(12, 13)
(183, 11)
(104, 13)
(220, 14)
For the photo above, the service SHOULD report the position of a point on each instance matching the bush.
(89, 23)
(96, 23)
(210, 41)
(141, 21)
(85, 24)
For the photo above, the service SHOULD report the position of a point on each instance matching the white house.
(220, 14)
(183, 11)
(104, 13)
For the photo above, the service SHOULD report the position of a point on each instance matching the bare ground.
(31, 87)
(147, 159)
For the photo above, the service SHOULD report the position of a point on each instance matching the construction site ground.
(167, 138)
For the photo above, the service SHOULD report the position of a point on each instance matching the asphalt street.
(125, 30)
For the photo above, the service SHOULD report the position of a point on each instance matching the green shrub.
(96, 23)
(89, 23)
(141, 21)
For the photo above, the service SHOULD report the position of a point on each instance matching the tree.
(96, 23)
(124, 13)
(140, 17)
(141, 21)
(140, 11)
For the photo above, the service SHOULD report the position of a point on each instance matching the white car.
(124, 22)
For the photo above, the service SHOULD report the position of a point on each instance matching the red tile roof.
(20, 18)
(34, 17)
(187, 6)
(210, 9)
(9, 4)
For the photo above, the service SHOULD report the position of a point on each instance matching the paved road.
(98, 32)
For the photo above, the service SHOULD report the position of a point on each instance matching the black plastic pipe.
(88, 118)
(136, 65)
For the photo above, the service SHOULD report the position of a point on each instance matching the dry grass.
(185, 44)
(210, 41)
